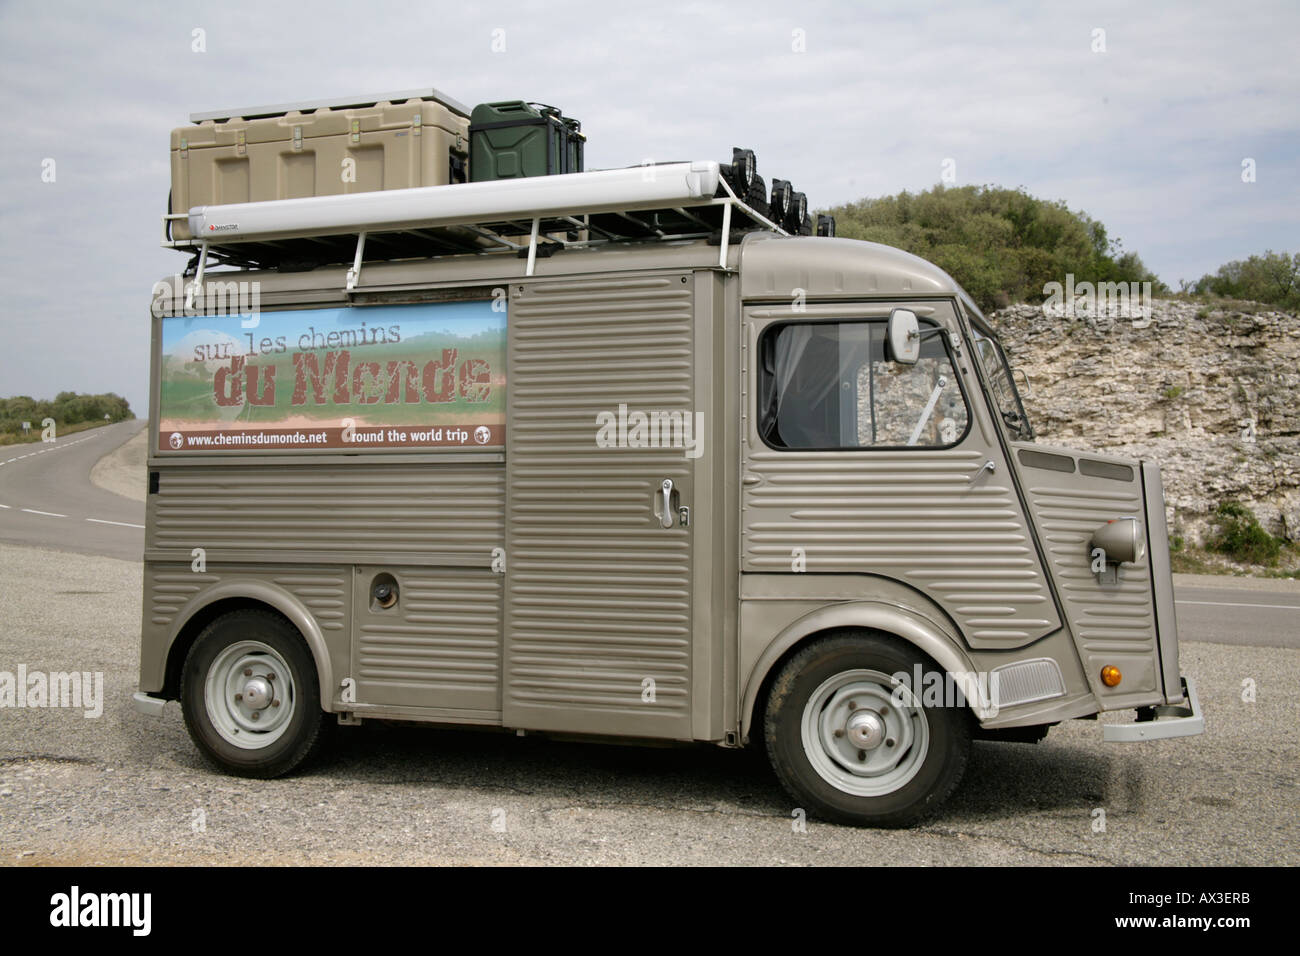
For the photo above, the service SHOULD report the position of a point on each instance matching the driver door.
(860, 465)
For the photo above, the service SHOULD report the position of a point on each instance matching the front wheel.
(250, 695)
(852, 744)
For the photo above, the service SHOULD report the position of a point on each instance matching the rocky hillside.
(1210, 392)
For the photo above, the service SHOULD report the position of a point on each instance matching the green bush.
(1238, 534)
(1001, 245)
(1273, 278)
(67, 408)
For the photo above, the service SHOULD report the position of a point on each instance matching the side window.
(828, 385)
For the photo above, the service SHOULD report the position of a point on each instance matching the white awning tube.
(644, 187)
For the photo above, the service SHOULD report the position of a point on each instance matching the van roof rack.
(527, 217)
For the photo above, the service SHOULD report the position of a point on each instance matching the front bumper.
(1170, 720)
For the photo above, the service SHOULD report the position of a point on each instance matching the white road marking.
(124, 524)
(1280, 607)
(53, 514)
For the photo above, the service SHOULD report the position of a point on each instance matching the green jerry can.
(512, 139)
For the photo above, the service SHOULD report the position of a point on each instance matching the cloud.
(1147, 136)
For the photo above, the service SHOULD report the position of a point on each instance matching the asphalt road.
(124, 788)
(47, 499)
(1257, 613)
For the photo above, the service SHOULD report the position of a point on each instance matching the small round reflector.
(1110, 675)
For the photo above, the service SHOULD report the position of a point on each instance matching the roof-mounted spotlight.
(793, 221)
(826, 226)
(781, 194)
(744, 167)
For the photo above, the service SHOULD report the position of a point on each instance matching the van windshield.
(997, 371)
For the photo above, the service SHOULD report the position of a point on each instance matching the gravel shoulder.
(123, 471)
(125, 788)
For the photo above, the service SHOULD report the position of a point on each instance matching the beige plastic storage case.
(395, 141)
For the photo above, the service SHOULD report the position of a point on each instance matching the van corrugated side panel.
(321, 532)
(439, 647)
(598, 592)
(347, 510)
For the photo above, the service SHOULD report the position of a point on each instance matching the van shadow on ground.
(1001, 780)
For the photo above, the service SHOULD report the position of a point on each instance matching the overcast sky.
(1148, 136)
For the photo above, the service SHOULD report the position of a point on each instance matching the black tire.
(292, 736)
(936, 767)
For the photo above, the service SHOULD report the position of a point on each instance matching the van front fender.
(916, 629)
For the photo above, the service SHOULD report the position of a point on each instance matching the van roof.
(773, 266)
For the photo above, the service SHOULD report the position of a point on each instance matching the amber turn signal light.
(1110, 675)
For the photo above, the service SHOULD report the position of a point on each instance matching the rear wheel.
(854, 746)
(250, 695)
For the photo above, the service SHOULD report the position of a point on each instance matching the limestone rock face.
(1210, 393)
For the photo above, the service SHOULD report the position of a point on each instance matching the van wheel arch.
(199, 620)
(752, 718)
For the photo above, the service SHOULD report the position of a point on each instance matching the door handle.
(666, 508)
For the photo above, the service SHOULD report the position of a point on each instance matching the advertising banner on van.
(430, 375)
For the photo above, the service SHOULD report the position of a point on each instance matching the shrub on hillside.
(1239, 535)
(1002, 245)
(67, 408)
(1273, 278)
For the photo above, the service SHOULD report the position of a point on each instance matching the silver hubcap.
(257, 693)
(249, 694)
(866, 730)
(859, 739)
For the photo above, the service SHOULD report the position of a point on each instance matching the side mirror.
(904, 337)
